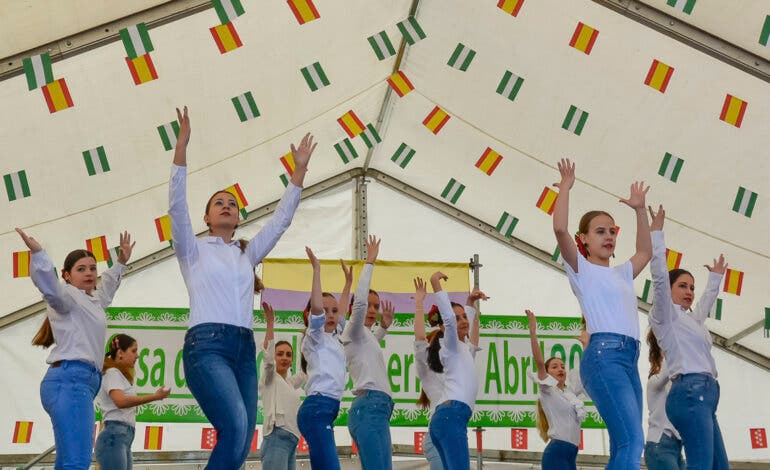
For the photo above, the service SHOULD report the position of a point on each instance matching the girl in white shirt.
(118, 400)
(609, 367)
(77, 324)
(219, 352)
(559, 408)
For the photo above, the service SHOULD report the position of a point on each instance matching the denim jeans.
(316, 422)
(67, 393)
(559, 455)
(611, 377)
(449, 434)
(279, 449)
(369, 425)
(113, 446)
(221, 372)
(431, 454)
(691, 407)
(664, 455)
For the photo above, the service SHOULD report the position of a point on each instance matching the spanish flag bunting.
(236, 191)
(351, 124)
(511, 7)
(142, 69)
(489, 161)
(547, 200)
(21, 263)
(163, 226)
(733, 281)
(673, 259)
(304, 10)
(22, 432)
(733, 110)
(658, 76)
(288, 163)
(226, 37)
(584, 37)
(436, 120)
(400, 83)
(98, 246)
(57, 96)
(153, 437)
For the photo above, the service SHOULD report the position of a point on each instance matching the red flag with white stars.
(758, 438)
(419, 442)
(302, 445)
(518, 438)
(208, 438)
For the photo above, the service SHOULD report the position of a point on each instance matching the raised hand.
(303, 152)
(719, 266)
(435, 280)
(269, 313)
(388, 312)
(372, 249)
(530, 315)
(126, 247)
(567, 171)
(638, 194)
(420, 290)
(475, 295)
(31, 243)
(657, 218)
(184, 128)
(313, 260)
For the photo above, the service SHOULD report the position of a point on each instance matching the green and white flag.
(764, 36)
(114, 255)
(228, 10)
(411, 30)
(403, 155)
(136, 40)
(16, 185)
(575, 120)
(684, 6)
(96, 161)
(506, 225)
(716, 310)
(647, 292)
(510, 84)
(453, 190)
(670, 167)
(284, 179)
(382, 46)
(370, 136)
(767, 322)
(556, 256)
(245, 106)
(461, 58)
(38, 70)
(745, 201)
(315, 76)
(345, 150)
(168, 133)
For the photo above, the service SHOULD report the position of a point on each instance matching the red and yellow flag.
(400, 83)
(163, 226)
(304, 10)
(235, 190)
(733, 110)
(547, 200)
(288, 163)
(659, 76)
(673, 259)
(733, 281)
(436, 120)
(351, 124)
(22, 432)
(583, 38)
(511, 7)
(98, 246)
(21, 263)
(57, 96)
(489, 161)
(226, 37)
(153, 437)
(142, 69)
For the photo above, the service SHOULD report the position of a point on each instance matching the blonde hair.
(542, 422)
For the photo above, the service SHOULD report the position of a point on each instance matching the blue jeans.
(279, 449)
(449, 434)
(113, 446)
(611, 377)
(691, 407)
(67, 393)
(369, 425)
(560, 455)
(664, 455)
(316, 422)
(431, 454)
(221, 372)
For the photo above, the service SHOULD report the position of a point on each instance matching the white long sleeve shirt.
(564, 409)
(219, 278)
(325, 359)
(362, 349)
(460, 381)
(432, 383)
(682, 335)
(281, 398)
(658, 424)
(78, 320)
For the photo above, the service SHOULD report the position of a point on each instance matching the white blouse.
(460, 381)
(113, 379)
(658, 424)
(325, 360)
(281, 398)
(563, 408)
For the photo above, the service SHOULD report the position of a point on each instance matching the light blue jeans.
(316, 422)
(611, 377)
(113, 446)
(431, 454)
(560, 455)
(449, 434)
(67, 393)
(664, 455)
(369, 425)
(279, 449)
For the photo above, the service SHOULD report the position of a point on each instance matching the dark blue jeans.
(611, 377)
(67, 393)
(113, 446)
(369, 425)
(449, 434)
(279, 450)
(316, 422)
(559, 455)
(691, 407)
(221, 372)
(664, 455)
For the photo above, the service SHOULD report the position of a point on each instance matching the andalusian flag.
(400, 83)
(670, 167)
(489, 161)
(22, 432)
(647, 292)
(575, 120)
(436, 120)
(57, 96)
(659, 75)
(764, 36)
(583, 38)
(453, 190)
(21, 263)
(685, 6)
(511, 7)
(114, 255)
(351, 124)
(556, 256)
(235, 190)
(506, 224)
(510, 84)
(163, 226)
(745, 201)
(284, 177)
(403, 155)
(226, 37)
(315, 76)
(673, 259)
(547, 200)
(370, 136)
(142, 69)
(288, 162)
(168, 134)
(767, 322)
(16, 185)
(98, 246)
(733, 281)
(228, 10)
(304, 10)
(733, 110)
(716, 310)
(136, 40)
(382, 46)
(346, 151)
(245, 106)
(411, 30)
(96, 161)
(461, 57)
(38, 70)
(153, 437)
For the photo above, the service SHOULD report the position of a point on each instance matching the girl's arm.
(475, 320)
(537, 354)
(420, 291)
(270, 324)
(111, 277)
(447, 313)
(344, 302)
(122, 400)
(316, 299)
(355, 327)
(561, 214)
(709, 296)
(181, 228)
(661, 311)
(643, 242)
(44, 276)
